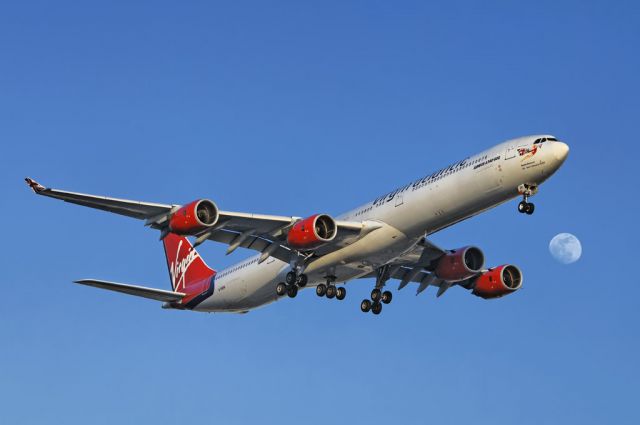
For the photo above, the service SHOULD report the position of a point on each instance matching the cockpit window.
(545, 139)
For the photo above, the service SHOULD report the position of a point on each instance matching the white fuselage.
(406, 215)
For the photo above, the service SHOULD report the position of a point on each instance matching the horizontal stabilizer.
(138, 291)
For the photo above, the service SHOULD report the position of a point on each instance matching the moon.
(565, 248)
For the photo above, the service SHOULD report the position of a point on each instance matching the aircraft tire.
(341, 293)
(530, 209)
(302, 280)
(331, 291)
(375, 295)
(321, 290)
(387, 296)
(292, 291)
(290, 278)
(522, 207)
(365, 306)
(281, 289)
(376, 308)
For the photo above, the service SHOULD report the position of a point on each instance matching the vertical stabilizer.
(188, 272)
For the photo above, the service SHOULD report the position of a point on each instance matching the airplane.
(382, 239)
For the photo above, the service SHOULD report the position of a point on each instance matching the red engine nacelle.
(460, 264)
(312, 232)
(498, 282)
(194, 217)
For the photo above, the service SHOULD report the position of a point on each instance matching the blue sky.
(296, 108)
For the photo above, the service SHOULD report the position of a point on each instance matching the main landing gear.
(331, 291)
(292, 282)
(298, 279)
(377, 299)
(284, 289)
(527, 190)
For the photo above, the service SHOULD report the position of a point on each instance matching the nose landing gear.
(527, 190)
(525, 207)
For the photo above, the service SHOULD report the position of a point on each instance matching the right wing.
(138, 291)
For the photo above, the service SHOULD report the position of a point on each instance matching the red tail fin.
(187, 270)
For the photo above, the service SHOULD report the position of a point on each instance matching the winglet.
(34, 185)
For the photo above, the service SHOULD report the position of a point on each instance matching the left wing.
(417, 266)
(135, 209)
(259, 232)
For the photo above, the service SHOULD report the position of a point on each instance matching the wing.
(135, 209)
(259, 232)
(408, 274)
(424, 253)
(416, 266)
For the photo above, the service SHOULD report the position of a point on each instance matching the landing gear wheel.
(522, 206)
(290, 278)
(387, 296)
(281, 289)
(331, 291)
(302, 280)
(365, 306)
(376, 308)
(292, 291)
(375, 295)
(321, 290)
(341, 293)
(530, 208)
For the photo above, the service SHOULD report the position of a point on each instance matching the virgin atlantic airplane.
(383, 239)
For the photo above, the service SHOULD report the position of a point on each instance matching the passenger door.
(509, 153)
(399, 199)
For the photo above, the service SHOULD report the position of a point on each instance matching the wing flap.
(260, 224)
(255, 243)
(138, 291)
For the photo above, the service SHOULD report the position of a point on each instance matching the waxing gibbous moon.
(565, 248)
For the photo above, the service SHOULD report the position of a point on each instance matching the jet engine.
(312, 232)
(497, 282)
(194, 217)
(460, 264)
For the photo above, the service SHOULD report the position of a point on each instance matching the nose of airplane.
(560, 151)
